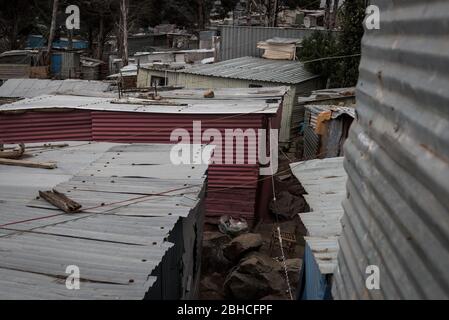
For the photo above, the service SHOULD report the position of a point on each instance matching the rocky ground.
(248, 266)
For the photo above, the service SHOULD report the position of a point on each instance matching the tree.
(327, 15)
(333, 21)
(314, 48)
(16, 22)
(303, 4)
(124, 6)
(337, 57)
(350, 40)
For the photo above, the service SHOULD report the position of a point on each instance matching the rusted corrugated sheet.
(397, 159)
(45, 126)
(232, 189)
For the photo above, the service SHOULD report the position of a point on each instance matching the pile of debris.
(13, 156)
(280, 48)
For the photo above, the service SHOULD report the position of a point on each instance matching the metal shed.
(397, 209)
(244, 72)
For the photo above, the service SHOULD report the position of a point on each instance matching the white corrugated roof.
(227, 101)
(116, 247)
(30, 88)
(325, 184)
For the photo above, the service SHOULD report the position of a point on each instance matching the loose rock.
(256, 276)
(241, 245)
(213, 259)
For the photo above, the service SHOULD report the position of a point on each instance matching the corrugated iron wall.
(397, 158)
(232, 189)
(70, 65)
(45, 126)
(199, 81)
(241, 41)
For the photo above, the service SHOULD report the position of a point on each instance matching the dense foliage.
(341, 70)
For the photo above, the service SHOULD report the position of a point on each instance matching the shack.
(246, 72)
(326, 128)
(17, 64)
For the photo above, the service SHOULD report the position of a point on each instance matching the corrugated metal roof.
(333, 95)
(180, 106)
(336, 111)
(255, 69)
(324, 181)
(116, 245)
(397, 210)
(30, 88)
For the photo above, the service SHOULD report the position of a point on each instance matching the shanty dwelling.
(246, 72)
(126, 77)
(65, 64)
(181, 56)
(156, 73)
(235, 187)
(341, 97)
(325, 184)
(93, 69)
(326, 129)
(137, 234)
(16, 64)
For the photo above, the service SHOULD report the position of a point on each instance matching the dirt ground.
(212, 286)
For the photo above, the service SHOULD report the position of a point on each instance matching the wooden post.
(52, 30)
(124, 30)
(327, 15)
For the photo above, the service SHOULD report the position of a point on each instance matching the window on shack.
(158, 81)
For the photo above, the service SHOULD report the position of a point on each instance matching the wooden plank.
(29, 164)
(61, 201)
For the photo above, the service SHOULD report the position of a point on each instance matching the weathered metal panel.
(70, 65)
(241, 41)
(397, 209)
(14, 71)
(256, 69)
(30, 88)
